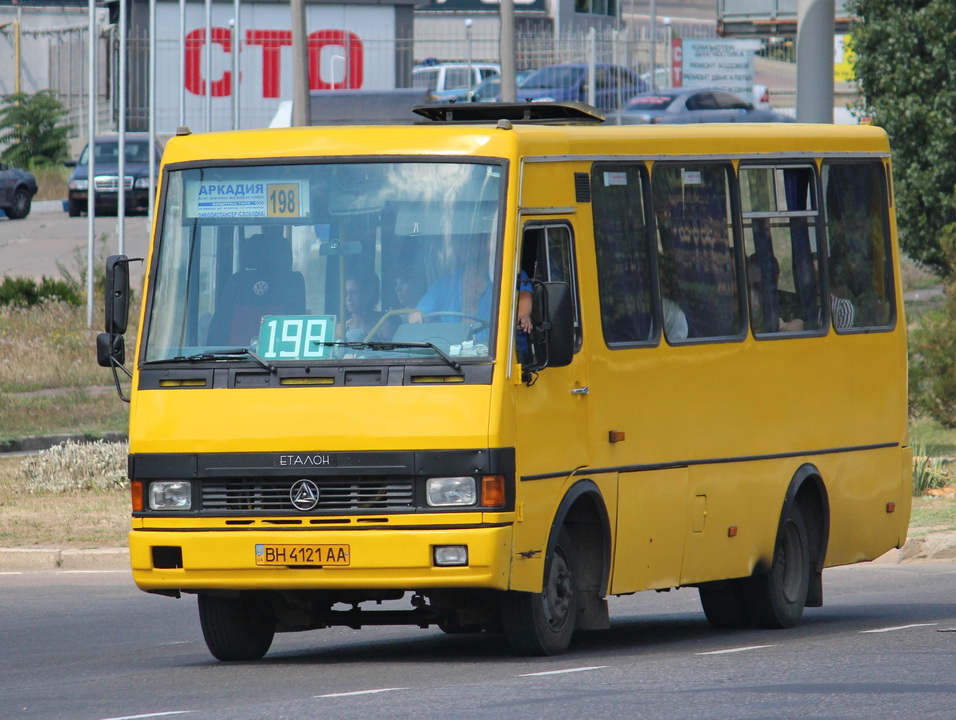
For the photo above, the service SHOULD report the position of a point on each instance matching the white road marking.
(898, 627)
(152, 715)
(562, 672)
(359, 692)
(11, 572)
(735, 650)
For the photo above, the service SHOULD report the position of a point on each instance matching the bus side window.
(781, 222)
(698, 266)
(859, 266)
(624, 258)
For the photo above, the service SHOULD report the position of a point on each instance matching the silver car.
(692, 105)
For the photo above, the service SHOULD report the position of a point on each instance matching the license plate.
(302, 554)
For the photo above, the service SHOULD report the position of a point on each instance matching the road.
(91, 647)
(47, 240)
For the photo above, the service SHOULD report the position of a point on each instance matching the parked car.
(106, 167)
(613, 84)
(692, 105)
(17, 188)
(489, 89)
(452, 82)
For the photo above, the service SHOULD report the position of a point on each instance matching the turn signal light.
(136, 491)
(493, 490)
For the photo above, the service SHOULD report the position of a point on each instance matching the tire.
(20, 208)
(236, 628)
(777, 599)
(724, 604)
(73, 208)
(540, 624)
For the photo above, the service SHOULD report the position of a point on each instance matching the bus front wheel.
(777, 599)
(542, 623)
(236, 628)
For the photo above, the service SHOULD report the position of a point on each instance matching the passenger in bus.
(757, 309)
(409, 287)
(361, 296)
(675, 321)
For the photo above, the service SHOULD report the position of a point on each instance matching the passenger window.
(781, 241)
(697, 248)
(548, 256)
(860, 264)
(622, 245)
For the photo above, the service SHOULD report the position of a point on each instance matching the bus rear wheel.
(724, 604)
(236, 628)
(777, 599)
(543, 623)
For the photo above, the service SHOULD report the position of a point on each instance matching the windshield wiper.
(223, 355)
(385, 345)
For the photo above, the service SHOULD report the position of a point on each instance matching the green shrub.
(928, 473)
(27, 292)
(932, 357)
(30, 125)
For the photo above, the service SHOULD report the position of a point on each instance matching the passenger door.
(553, 430)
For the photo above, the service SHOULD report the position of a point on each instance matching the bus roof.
(521, 141)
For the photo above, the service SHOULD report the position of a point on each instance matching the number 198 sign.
(296, 337)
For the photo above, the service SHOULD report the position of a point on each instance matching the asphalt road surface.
(90, 647)
(48, 241)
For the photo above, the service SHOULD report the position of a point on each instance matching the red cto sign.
(272, 42)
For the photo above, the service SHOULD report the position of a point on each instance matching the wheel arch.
(583, 513)
(808, 493)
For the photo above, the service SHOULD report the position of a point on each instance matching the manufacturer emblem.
(260, 288)
(304, 495)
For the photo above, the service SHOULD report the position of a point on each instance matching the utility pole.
(301, 99)
(816, 28)
(509, 89)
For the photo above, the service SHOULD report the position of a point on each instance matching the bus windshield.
(326, 262)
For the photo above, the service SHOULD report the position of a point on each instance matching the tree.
(905, 66)
(30, 127)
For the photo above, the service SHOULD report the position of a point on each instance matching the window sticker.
(296, 337)
(691, 177)
(247, 199)
(615, 178)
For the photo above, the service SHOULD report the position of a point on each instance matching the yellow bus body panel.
(713, 432)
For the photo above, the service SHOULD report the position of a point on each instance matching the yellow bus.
(336, 400)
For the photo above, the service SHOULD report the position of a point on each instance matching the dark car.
(17, 188)
(613, 84)
(106, 167)
(692, 105)
(489, 89)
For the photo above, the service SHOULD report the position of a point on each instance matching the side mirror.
(552, 317)
(110, 350)
(117, 294)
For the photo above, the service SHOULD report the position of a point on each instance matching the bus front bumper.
(183, 560)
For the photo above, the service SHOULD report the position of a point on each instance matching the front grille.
(110, 183)
(335, 494)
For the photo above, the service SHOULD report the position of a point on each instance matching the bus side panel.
(732, 516)
(862, 486)
(651, 528)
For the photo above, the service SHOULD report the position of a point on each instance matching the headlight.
(443, 492)
(141, 183)
(170, 495)
(79, 184)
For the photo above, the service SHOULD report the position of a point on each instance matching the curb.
(44, 559)
(935, 546)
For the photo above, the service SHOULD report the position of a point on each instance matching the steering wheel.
(479, 323)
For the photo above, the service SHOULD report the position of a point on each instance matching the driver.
(466, 291)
